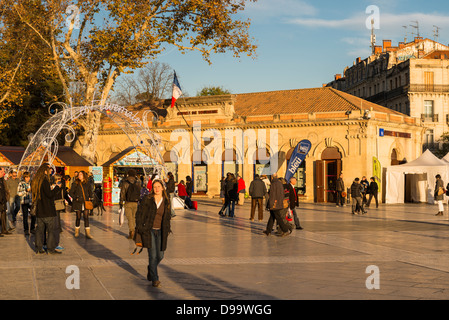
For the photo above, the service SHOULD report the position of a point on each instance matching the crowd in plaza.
(148, 206)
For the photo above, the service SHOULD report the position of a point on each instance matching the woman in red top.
(182, 192)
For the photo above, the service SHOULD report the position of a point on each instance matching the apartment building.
(411, 78)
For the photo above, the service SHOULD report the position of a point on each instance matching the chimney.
(401, 45)
(377, 49)
(386, 44)
(358, 60)
(337, 76)
(418, 39)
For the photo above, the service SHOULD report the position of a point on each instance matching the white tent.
(420, 179)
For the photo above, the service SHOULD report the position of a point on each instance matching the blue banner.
(298, 156)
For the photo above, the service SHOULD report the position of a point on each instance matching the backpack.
(133, 192)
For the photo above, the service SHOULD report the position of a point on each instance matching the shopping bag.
(121, 216)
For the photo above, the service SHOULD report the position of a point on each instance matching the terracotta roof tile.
(314, 100)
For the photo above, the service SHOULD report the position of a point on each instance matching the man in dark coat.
(373, 191)
(356, 195)
(276, 206)
(129, 198)
(340, 188)
(293, 197)
(257, 191)
(4, 198)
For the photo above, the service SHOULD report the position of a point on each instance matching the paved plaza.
(210, 257)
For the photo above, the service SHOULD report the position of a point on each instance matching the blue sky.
(303, 43)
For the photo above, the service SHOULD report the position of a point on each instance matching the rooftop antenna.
(405, 37)
(416, 26)
(436, 33)
(373, 37)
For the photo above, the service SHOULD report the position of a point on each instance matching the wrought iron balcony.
(429, 117)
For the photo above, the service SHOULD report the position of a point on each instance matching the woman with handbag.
(439, 194)
(82, 196)
(153, 226)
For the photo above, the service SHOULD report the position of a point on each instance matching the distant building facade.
(412, 78)
(348, 135)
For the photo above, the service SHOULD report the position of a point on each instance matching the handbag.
(441, 191)
(88, 205)
(60, 203)
(33, 209)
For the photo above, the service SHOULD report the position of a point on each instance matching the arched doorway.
(199, 172)
(327, 171)
(262, 162)
(229, 162)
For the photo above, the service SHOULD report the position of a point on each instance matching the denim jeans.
(48, 224)
(230, 208)
(155, 255)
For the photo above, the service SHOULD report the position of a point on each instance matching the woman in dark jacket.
(439, 196)
(153, 226)
(231, 195)
(44, 199)
(81, 192)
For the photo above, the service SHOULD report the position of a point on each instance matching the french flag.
(177, 92)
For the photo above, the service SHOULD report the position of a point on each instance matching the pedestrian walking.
(129, 198)
(294, 202)
(277, 208)
(153, 227)
(439, 194)
(257, 192)
(231, 195)
(26, 197)
(365, 185)
(43, 195)
(4, 198)
(189, 186)
(14, 200)
(171, 186)
(340, 188)
(241, 190)
(356, 195)
(80, 193)
(373, 192)
(222, 189)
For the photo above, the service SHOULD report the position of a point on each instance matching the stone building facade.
(412, 78)
(348, 135)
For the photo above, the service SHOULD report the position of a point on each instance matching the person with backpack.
(129, 198)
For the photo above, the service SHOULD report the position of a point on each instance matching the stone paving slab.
(214, 258)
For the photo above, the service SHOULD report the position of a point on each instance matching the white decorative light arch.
(44, 143)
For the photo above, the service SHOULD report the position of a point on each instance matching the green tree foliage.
(212, 91)
(94, 41)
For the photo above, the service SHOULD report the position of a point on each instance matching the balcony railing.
(429, 117)
(429, 88)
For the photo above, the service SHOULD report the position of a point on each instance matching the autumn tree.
(95, 41)
(27, 81)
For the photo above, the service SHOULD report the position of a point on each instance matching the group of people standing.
(38, 198)
(359, 191)
(276, 192)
